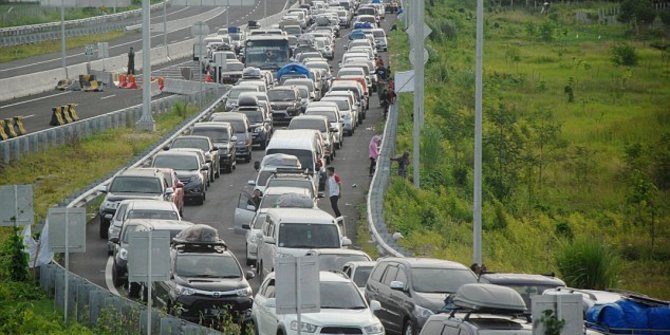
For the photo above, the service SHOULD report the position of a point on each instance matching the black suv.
(410, 290)
(206, 282)
(136, 183)
(285, 103)
(223, 137)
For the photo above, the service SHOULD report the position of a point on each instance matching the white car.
(359, 272)
(343, 310)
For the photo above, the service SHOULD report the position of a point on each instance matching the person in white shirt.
(334, 184)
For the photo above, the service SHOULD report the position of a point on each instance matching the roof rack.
(194, 246)
(290, 170)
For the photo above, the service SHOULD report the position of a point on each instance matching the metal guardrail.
(12, 149)
(386, 244)
(34, 33)
(97, 307)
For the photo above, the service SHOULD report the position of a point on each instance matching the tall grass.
(8, 54)
(587, 263)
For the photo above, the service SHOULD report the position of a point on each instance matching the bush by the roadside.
(587, 263)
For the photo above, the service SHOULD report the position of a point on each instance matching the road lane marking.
(28, 116)
(35, 99)
(108, 277)
(107, 97)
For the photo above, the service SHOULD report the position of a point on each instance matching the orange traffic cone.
(122, 81)
(132, 84)
(209, 78)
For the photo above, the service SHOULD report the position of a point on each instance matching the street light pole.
(62, 37)
(477, 205)
(265, 9)
(146, 122)
(418, 46)
(165, 32)
(227, 13)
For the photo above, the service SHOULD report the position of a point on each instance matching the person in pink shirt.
(373, 152)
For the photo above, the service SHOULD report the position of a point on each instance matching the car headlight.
(376, 328)
(422, 312)
(240, 142)
(123, 254)
(183, 290)
(110, 205)
(223, 150)
(304, 327)
(258, 129)
(244, 292)
(113, 231)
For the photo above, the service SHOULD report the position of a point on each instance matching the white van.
(295, 231)
(306, 144)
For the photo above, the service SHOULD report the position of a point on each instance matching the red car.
(177, 196)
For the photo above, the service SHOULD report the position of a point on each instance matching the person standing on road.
(373, 151)
(334, 185)
(131, 61)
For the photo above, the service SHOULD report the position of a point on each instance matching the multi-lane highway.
(36, 109)
(351, 164)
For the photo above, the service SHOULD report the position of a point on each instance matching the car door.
(261, 312)
(400, 301)
(393, 320)
(244, 212)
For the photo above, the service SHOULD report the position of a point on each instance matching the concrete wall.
(85, 3)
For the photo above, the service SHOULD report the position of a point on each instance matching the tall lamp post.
(477, 205)
(146, 122)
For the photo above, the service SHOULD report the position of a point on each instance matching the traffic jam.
(299, 90)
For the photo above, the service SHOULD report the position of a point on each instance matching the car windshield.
(129, 184)
(331, 116)
(281, 95)
(350, 72)
(361, 275)
(215, 135)
(292, 182)
(340, 295)
(303, 92)
(300, 123)
(341, 103)
(152, 214)
(235, 36)
(307, 235)
(336, 262)
(237, 90)
(305, 82)
(197, 143)
(126, 233)
(132, 228)
(255, 116)
(177, 162)
(304, 156)
(238, 126)
(207, 266)
(287, 200)
(263, 177)
(234, 66)
(440, 280)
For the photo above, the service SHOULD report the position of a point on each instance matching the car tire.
(181, 211)
(337, 145)
(116, 280)
(217, 174)
(104, 228)
(329, 159)
(248, 158)
(200, 201)
(408, 328)
(134, 290)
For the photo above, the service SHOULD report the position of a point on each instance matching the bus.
(266, 52)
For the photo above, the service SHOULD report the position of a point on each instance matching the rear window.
(301, 123)
(378, 33)
(216, 135)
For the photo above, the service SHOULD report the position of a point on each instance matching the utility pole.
(418, 47)
(165, 32)
(265, 11)
(62, 37)
(477, 205)
(146, 122)
(227, 13)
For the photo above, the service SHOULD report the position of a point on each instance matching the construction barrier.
(57, 116)
(9, 127)
(68, 85)
(3, 134)
(71, 109)
(123, 81)
(19, 125)
(161, 82)
(132, 84)
(89, 84)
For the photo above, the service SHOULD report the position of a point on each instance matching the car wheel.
(248, 159)
(116, 280)
(329, 159)
(337, 145)
(104, 228)
(181, 211)
(133, 290)
(201, 200)
(408, 329)
(217, 174)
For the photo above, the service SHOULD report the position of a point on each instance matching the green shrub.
(586, 263)
(623, 54)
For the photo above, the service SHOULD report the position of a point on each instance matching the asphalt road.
(351, 164)
(36, 109)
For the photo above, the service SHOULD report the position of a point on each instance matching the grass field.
(19, 14)
(557, 167)
(8, 54)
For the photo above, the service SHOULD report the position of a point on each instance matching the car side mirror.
(269, 240)
(213, 149)
(251, 207)
(246, 226)
(204, 168)
(250, 129)
(169, 191)
(234, 138)
(250, 275)
(179, 184)
(321, 195)
(102, 188)
(334, 130)
(251, 183)
(166, 148)
(114, 240)
(257, 165)
(375, 305)
(397, 285)
(346, 242)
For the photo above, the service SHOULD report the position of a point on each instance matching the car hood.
(231, 73)
(282, 103)
(337, 318)
(123, 196)
(181, 174)
(241, 137)
(224, 145)
(432, 301)
(212, 284)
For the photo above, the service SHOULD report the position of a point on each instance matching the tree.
(637, 12)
